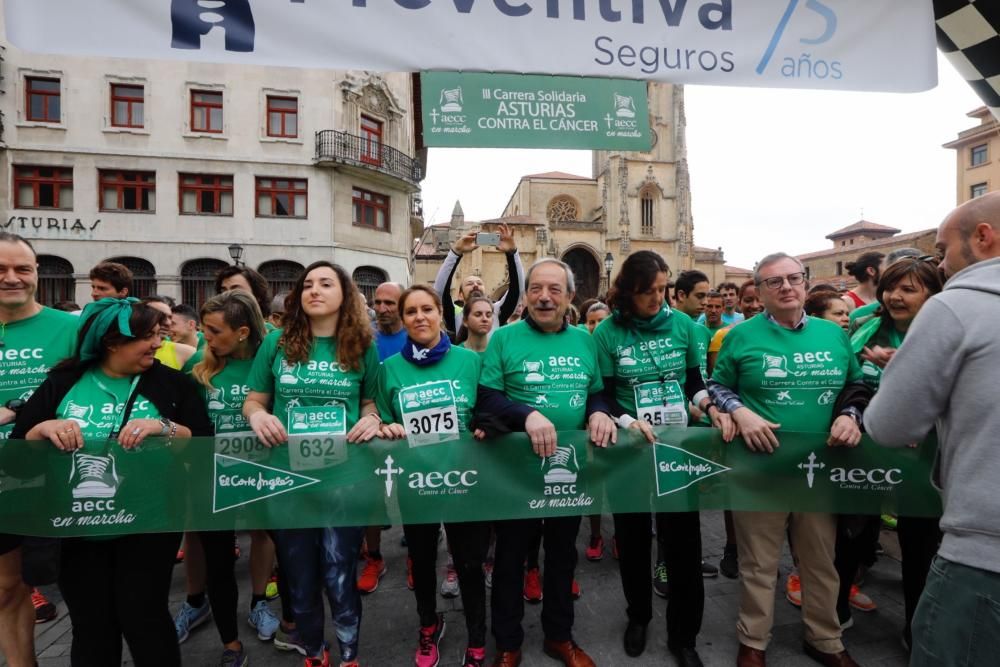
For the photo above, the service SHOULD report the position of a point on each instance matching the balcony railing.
(350, 149)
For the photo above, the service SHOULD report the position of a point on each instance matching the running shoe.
(189, 618)
(45, 611)
(263, 620)
(322, 661)
(860, 601)
(427, 644)
(729, 566)
(271, 590)
(532, 586)
(793, 589)
(889, 521)
(236, 548)
(595, 552)
(349, 663)
(179, 558)
(371, 575)
(449, 585)
(575, 589)
(288, 640)
(231, 658)
(708, 570)
(660, 584)
(488, 573)
(474, 657)
(409, 573)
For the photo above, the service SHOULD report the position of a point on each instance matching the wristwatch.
(165, 425)
(15, 404)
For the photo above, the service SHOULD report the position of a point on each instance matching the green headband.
(101, 314)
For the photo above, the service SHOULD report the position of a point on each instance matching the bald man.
(945, 376)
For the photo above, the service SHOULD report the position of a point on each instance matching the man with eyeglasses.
(778, 372)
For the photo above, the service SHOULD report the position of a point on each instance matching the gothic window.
(562, 209)
(647, 202)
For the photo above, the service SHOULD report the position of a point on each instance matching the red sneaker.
(576, 590)
(45, 611)
(180, 556)
(532, 586)
(409, 573)
(595, 551)
(371, 574)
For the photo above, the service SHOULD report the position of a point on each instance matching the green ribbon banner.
(226, 483)
(468, 109)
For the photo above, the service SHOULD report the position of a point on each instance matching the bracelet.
(375, 415)
(626, 420)
(173, 431)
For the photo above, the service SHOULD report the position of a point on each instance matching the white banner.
(885, 45)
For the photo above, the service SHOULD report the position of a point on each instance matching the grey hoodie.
(947, 374)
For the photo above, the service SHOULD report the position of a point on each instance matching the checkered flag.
(968, 33)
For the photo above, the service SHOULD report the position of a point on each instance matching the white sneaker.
(449, 586)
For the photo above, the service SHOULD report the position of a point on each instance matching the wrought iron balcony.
(354, 152)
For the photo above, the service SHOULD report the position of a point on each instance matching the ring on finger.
(136, 431)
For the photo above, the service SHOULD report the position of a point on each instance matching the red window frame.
(124, 180)
(119, 94)
(31, 91)
(272, 187)
(214, 184)
(59, 179)
(282, 114)
(365, 200)
(371, 140)
(206, 106)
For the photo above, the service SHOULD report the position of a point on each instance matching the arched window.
(647, 202)
(562, 209)
(280, 274)
(143, 275)
(198, 280)
(55, 280)
(367, 278)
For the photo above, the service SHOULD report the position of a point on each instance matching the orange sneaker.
(860, 601)
(371, 574)
(793, 589)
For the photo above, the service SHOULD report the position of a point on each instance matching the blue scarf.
(103, 313)
(419, 355)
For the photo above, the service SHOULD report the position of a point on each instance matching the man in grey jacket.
(946, 375)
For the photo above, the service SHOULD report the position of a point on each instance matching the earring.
(242, 339)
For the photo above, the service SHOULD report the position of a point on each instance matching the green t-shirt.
(433, 403)
(317, 396)
(702, 338)
(886, 336)
(96, 403)
(650, 367)
(864, 311)
(550, 372)
(224, 401)
(201, 342)
(478, 352)
(30, 348)
(790, 377)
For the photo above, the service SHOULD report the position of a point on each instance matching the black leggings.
(120, 587)
(221, 581)
(468, 542)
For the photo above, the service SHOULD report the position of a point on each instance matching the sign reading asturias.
(512, 111)
(833, 44)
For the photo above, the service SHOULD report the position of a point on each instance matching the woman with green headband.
(112, 394)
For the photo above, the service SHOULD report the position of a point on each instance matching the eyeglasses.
(794, 279)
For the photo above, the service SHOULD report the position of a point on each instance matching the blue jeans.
(318, 559)
(957, 623)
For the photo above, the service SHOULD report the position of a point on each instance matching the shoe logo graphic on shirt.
(215, 400)
(626, 356)
(410, 400)
(79, 413)
(777, 367)
(287, 375)
(562, 467)
(93, 476)
(533, 371)
(811, 466)
(390, 472)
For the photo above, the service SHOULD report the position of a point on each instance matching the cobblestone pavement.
(389, 629)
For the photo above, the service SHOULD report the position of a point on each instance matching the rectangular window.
(127, 190)
(206, 194)
(282, 197)
(978, 155)
(371, 141)
(977, 190)
(127, 105)
(282, 117)
(371, 210)
(206, 111)
(840, 268)
(43, 187)
(43, 99)
(647, 214)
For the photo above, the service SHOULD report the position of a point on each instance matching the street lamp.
(609, 264)
(236, 252)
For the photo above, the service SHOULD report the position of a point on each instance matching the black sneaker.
(730, 564)
(709, 571)
(660, 584)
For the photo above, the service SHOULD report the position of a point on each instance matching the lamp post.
(609, 264)
(236, 252)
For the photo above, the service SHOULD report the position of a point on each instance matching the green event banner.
(225, 483)
(526, 111)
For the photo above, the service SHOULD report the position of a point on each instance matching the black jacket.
(174, 394)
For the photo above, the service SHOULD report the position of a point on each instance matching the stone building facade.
(977, 157)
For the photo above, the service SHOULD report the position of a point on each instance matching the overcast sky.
(770, 169)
